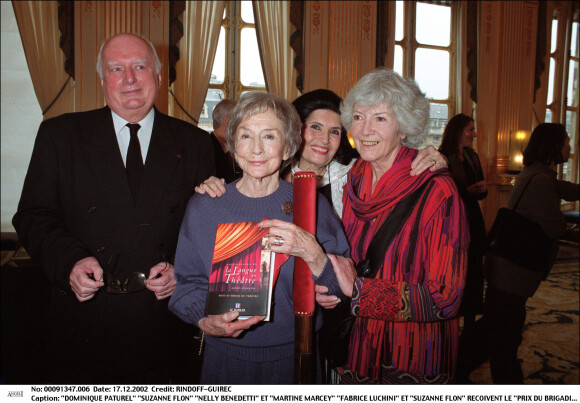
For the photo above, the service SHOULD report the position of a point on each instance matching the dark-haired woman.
(325, 149)
(509, 285)
(464, 165)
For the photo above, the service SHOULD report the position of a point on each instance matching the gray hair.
(100, 56)
(401, 94)
(252, 103)
(221, 110)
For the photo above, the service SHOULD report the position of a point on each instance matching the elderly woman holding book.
(263, 135)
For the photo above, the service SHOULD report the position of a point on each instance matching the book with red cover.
(242, 272)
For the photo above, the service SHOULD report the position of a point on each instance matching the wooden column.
(505, 88)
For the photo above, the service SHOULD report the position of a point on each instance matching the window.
(425, 51)
(562, 98)
(237, 67)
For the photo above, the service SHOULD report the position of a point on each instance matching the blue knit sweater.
(267, 340)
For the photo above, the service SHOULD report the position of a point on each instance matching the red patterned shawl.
(394, 186)
(406, 315)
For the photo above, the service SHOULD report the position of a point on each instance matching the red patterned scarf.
(359, 204)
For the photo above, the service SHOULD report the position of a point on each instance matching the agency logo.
(16, 394)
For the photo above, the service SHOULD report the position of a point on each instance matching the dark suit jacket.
(76, 203)
(225, 164)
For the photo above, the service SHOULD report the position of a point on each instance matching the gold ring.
(433, 162)
(278, 241)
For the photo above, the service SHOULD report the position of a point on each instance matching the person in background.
(406, 328)
(263, 135)
(100, 212)
(509, 284)
(465, 168)
(225, 164)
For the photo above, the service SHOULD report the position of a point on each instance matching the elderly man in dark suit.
(100, 212)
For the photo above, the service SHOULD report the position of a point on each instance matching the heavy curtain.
(241, 271)
(237, 256)
(38, 26)
(273, 29)
(202, 22)
(233, 238)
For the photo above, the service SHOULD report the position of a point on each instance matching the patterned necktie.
(134, 165)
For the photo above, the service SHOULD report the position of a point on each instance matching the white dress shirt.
(124, 136)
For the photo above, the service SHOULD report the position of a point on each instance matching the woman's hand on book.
(292, 240)
(227, 324)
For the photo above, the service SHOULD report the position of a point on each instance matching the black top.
(226, 166)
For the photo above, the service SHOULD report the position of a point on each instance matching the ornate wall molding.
(366, 20)
(316, 17)
(157, 9)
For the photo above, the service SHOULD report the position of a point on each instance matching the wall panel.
(339, 43)
(506, 70)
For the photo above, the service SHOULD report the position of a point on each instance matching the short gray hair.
(100, 56)
(221, 110)
(401, 94)
(252, 103)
